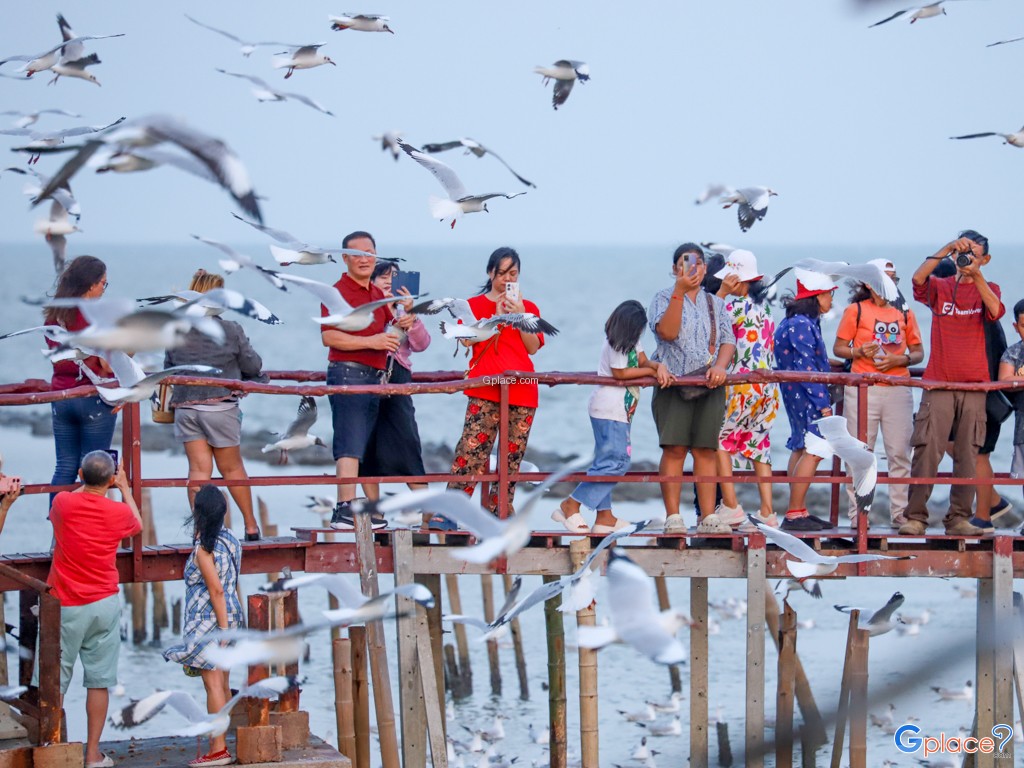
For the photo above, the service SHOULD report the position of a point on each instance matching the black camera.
(964, 260)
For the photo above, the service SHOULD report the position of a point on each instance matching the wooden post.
(724, 748)
(289, 702)
(756, 589)
(360, 695)
(1018, 653)
(493, 662)
(344, 710)
(464, 685)
(436, 632)
(859, 701)
(699, 673)
(159, 612)
(49, 670)
(28, 632)
(9, 728)
(578, 551)
(784, 695)
(176, 616)
(556, 679)
(661, 586)
(984, 681)
(138, 602)
(813, 729)
(843, 710)
(410, 685)
(1003, 632)
(259, 618)
(517, 647)
(266, 528)
(432, 696)
(377, 647)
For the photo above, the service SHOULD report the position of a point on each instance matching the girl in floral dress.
(211, 603)
(751, 408)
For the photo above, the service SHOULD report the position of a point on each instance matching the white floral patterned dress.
(751, 408)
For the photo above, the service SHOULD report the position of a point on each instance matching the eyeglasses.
(105, 284)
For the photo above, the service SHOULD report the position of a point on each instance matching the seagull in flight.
(25, 119)
(296, 251)
(810, 563)
(55, 229)
(297, 435)
(236, 261)
(41, 140)
(69, 47)
(340, 314)
(468, 327)
(389, 142)
(301, 57)
(1013, 139)
(361, 22)
(133, 384)
(476, 148)
(634, 618)
(751, 202)
(264, 92)
(917, 12)
(459, 201)
(565, 73)
(247, 46)
(215, 301)
(712, 192)
(860, 459)
(879, 622)
(340, 585)
(1004, 42)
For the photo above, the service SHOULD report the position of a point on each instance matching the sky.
(849, 124)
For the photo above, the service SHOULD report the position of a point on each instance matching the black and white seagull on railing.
(459, 201)
(247, 47)
(565, 73)
(1013, 139)
(264, 92)
(301, 57)
(751, 202)
(879, 622)
(361, 22)
(236, 261)
(476, 148)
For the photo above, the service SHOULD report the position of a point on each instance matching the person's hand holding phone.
(689, 275)
(512, 303)
(406, 304)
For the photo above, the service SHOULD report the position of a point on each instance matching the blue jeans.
(354, 416)
(80, 426)
(611, 457)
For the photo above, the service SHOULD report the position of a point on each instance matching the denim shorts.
(354, 416)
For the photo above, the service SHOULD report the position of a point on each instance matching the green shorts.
(92, 631)
(691, 423)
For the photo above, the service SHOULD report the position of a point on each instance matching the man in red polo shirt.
(960, 305)
(87, 531)
(357, 358)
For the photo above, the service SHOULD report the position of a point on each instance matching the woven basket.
(162, 411)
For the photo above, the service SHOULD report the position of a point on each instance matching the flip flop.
(574, 523)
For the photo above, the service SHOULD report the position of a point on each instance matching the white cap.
(741, 263)
(883, 264)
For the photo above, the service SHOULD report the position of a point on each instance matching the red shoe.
(213, 758)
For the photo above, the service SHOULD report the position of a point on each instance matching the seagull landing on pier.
(879, 622)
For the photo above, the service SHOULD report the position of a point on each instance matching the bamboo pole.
(360, 695)
(784, 693)
(464, 683)
(517, 647)
(859, 701)
(699, 673)
(432, 696)
(589, 720)
(344, 707)
(843, 710)
(493, 662)
(556, 679)
(661, 586)
(813, 729)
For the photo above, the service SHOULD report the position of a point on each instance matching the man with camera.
(87, 531)
(960, 305)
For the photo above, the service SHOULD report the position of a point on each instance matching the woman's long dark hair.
(625, 325)
(494, 262)
(808, 306)
(81, 274)
(859, 292)
(208, 516)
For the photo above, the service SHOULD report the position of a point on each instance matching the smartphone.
(408, 280)
(7, 484)
(512, 291)
(112, 454)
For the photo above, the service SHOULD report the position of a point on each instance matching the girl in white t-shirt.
(611, 411)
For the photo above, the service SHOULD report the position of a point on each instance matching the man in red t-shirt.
(961, 305)
(87, 529)
(357, 358)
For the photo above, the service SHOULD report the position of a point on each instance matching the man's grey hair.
(97, 469)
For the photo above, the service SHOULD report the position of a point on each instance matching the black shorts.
(354, 416)
(992, 428)
(394, 447)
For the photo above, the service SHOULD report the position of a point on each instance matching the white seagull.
(214, 302)
(672, 705)
(810, 563)
(641, 752)
(542, 736)
(459, 201)
(674, 728)
(247, 47)
(61, 195)
(349, 596)
(296, 251)
(25, 119)
(1013, 139)
(634, 617)
(565, 73)
(861, 460)
(389, 142)
(647, 714)
(134, 385)
(869, 274)
(917, 12)
(879, 622)
(301, 57)
(751, 202)
(42, 140)
(361, 22)
(468, 327)
(956, 694)
(713, 192)
(236, 261)
(320, 505)
(475, 148)
(264, 92)
(340, 314)
(297, 436)
(55, 229)
(70, 44)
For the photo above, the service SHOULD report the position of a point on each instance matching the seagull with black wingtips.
(361, 22)
(301, 57)
(264, 92)
(1015, 139)
(564, 73)
(751, 204)
(297, 435)
(476, 148)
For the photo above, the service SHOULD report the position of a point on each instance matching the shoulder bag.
(692, 392)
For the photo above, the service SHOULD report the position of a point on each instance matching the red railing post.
(503, 502)
(862, 435)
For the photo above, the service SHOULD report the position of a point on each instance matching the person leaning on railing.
(960, 307)
(208, 420)
(879, 338)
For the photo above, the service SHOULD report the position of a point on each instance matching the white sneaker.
(731, 516)
(772, 521)
(675, 524)
(713, 524)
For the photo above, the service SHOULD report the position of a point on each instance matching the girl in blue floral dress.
(211, 603)
(800, 347)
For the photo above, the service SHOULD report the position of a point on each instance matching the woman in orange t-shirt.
(509, 350)
(879, 338)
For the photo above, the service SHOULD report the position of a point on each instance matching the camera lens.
(963, 260)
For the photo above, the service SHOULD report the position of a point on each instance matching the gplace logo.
(908, 741)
